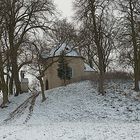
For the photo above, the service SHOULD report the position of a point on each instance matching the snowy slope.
(77, 112)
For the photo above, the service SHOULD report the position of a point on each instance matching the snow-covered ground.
(75, 112)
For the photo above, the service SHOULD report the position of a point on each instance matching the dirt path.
(19, 111)
(31, 108)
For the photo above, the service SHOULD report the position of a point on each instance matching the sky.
(65, 6)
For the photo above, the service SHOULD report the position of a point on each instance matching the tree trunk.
(134, 41)
(4, 89)
(15, 73)
(5, 95)
(3, 84)
(64, 81)
(8, 72)
(17, 84)
(42, 89)
(11, 86)
(101, 82)
(99, 48)
(136, 78)
(16, 81)
(139, 64)
(14, 56)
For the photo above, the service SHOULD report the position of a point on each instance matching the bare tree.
(24, 17)
(131, 13)
(95, 17)
(3, 84)
(38, 68)
(63, 32)
(87, 46)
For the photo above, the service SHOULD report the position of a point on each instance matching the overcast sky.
(65, 6)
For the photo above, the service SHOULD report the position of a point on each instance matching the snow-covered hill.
(74, 112)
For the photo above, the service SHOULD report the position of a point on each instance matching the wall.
(77, 65)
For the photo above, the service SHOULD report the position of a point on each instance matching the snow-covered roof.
(88, 68)
(69, 50)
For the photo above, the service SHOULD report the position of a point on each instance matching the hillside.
(74, 112)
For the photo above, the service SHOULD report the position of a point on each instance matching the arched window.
(70, 72)
(47, 84)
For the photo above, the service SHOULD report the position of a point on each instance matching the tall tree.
(131, 13)
(94, 15)
(24, 17)
(3, 84)
(38, 68)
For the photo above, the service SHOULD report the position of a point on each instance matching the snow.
(88, 68)
(15, 102)
(76, 112)
(57, 51)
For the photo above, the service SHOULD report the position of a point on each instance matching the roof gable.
(87, 68)
(69, 50)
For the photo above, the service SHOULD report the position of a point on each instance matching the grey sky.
(65, 6)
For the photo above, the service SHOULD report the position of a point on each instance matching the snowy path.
(77, 112)
(28, 104)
